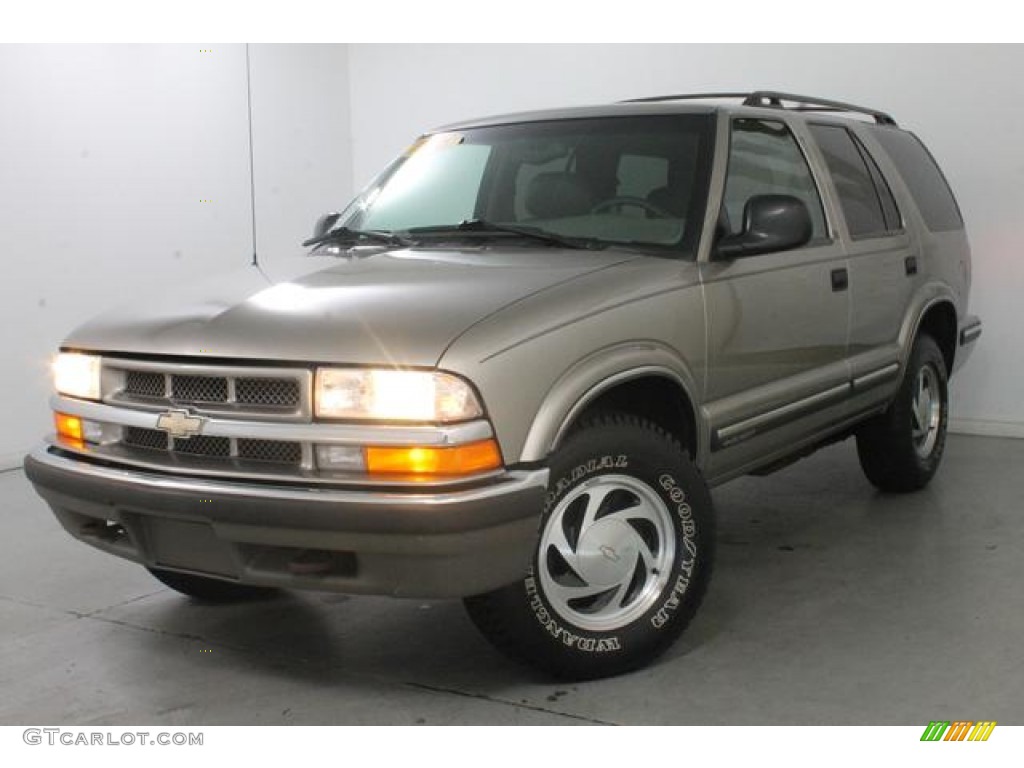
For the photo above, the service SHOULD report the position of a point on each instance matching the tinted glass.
(764, 159)
(923, 178)
(858, 196)
(632, 180)
(893, 220)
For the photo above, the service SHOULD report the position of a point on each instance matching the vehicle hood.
(401, 307)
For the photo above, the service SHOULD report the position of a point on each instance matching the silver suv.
(511, 369)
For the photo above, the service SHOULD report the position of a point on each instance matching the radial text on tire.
(623, 558)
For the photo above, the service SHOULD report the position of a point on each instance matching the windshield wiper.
(344, 234)
(484, 227)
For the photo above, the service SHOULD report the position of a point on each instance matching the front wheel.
(622, 561)
(900, 450)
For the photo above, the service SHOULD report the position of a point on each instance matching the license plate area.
(187, 545)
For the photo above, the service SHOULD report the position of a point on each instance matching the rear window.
(923, 178)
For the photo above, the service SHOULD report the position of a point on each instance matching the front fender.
(597, 373)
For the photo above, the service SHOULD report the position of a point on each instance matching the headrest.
(554, 195)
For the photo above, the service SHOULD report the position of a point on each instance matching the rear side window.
(764, 159)
(867, 202)
(923, 178)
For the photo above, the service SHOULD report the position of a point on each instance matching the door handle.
(840, 280)
(910, 263)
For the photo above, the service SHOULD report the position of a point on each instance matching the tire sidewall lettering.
(581, 471)
(687, 552)
(560, 633)
(545, 617)
(675, 497)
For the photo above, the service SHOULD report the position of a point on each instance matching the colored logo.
(959, 730)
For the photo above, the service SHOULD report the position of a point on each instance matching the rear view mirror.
(770, 223)
(324, 224)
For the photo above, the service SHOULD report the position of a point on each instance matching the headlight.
(387, 395)
(77, 375)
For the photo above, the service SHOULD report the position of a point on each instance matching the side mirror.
(325, 223)
(770, 223)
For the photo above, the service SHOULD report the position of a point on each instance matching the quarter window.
(764, 159)
(927, 185)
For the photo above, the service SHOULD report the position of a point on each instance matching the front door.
(778, 322)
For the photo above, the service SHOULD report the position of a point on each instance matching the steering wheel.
(638, 202)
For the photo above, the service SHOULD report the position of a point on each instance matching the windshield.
(639, 181)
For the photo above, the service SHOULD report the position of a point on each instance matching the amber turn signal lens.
(69, 429)
(453, 460)
(68, 426)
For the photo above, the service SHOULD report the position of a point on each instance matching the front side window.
(638, 181)
(764, 159)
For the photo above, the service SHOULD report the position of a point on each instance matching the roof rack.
(775, 99)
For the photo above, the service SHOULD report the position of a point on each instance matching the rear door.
(882, 258)
(777, 323)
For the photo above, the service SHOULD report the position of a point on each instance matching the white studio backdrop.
(965, 102)
(109, 154)
(124, 171)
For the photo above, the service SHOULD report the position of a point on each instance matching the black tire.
(896, 453)
(210, 590)
(632, 516)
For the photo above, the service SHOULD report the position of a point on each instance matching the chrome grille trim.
(119, 419)
(325, 432)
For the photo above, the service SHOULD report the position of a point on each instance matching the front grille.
(279, 451)
(215, 392)
(146, 384)
(235, 392)
(283, 393)
(199, 389)
(247, 449)
(138, 437)
(202, 445)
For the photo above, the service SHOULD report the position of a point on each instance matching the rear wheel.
(210, 590)
(900, 450)
(623, 556)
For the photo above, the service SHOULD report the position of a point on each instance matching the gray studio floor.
(831, 605)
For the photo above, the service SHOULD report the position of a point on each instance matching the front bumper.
(414, 543)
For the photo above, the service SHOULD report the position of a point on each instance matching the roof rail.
(774, 100)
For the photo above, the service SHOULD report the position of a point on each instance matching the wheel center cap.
(607, 552)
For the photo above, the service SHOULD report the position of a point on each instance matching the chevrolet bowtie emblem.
(180, 424)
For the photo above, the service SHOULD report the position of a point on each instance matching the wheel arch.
(937, 318)
(648, 381)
